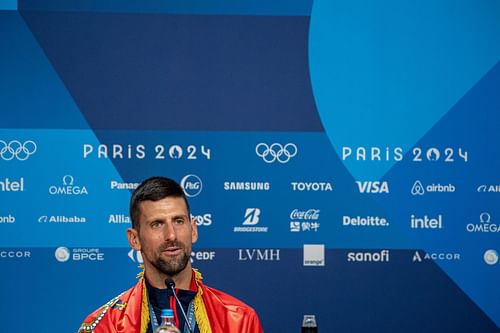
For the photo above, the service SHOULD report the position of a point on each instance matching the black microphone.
(171, 285)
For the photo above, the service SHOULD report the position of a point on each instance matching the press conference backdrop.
(341, 158)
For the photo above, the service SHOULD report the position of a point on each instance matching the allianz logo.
(485, 224)
(368, 256)
(436, 256)
(7, 219)
(312, 186)
(419, 189)
(67, 187)
(61, 219)
(376, 187)
(258, 254)
(426, 222)
(8, 185)
(119, 219)
(364, 221)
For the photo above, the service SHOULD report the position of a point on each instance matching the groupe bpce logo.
(276, 152)
(16, 149)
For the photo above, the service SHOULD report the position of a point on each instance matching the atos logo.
(375, 187)
(192, 185)
(68, 187)
(204, 220)
(135, 256)
(17, 150)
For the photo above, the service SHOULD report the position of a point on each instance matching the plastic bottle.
(167, 322)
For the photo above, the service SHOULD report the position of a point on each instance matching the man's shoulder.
(109, 312)
(225, 299)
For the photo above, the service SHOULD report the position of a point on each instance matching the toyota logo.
(276, 152)
(17, 150)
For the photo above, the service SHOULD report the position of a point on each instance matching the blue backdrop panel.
(341, 159)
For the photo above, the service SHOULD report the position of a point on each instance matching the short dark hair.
(154, 189)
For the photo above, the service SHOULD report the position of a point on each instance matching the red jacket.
(128, 312)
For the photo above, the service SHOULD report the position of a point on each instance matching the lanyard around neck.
(190, 318)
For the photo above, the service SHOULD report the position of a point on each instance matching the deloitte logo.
(62, 254)
(490, 257)
(192, 185)
(419, 189)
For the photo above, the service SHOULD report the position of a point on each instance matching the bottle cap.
(309, 321)
(167, 313)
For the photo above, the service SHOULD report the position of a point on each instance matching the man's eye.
(179, 221)
(156, 224)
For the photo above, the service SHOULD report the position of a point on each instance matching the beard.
(172, 266)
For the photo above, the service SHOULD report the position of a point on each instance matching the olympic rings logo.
(16, 149)
(276, 152)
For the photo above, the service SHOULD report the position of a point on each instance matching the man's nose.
(170, 232)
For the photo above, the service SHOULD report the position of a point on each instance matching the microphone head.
(169, 282)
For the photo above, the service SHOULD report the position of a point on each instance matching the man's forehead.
(165, 206)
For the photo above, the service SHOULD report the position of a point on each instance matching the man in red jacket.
(163, 230)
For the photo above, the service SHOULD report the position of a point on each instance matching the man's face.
(165, 236)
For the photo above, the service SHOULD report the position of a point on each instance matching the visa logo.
(368, 186)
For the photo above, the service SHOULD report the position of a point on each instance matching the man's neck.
(157, 279)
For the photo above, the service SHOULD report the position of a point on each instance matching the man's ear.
(194, 231)
(133, 239)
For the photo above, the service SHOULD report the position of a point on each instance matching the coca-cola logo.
(310, 214)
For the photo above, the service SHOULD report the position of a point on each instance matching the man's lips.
(172, 251)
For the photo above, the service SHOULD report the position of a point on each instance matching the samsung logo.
(247, 186)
